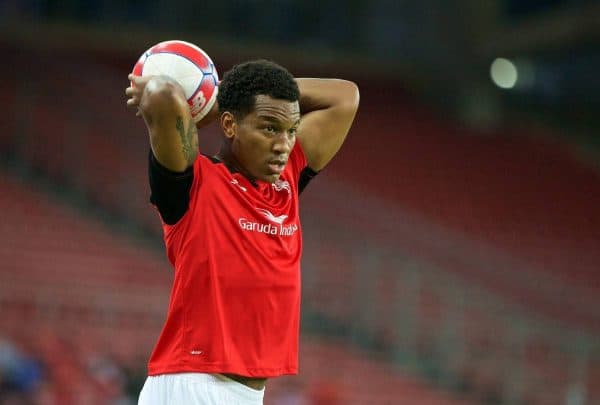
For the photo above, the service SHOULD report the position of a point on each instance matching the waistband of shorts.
(247, 392)
(239, 389)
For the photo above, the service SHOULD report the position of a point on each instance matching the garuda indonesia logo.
(275, 225)
(271, 217)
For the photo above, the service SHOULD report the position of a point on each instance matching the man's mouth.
(277, 166)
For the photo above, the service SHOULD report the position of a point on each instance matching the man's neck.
(226, 156)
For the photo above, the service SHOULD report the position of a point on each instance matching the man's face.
(265, 137)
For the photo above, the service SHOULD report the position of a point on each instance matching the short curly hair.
(240, 86)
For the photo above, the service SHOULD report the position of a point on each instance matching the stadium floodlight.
(504, 73)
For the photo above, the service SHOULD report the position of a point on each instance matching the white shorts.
(197, 389)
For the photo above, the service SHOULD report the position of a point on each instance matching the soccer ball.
(187, 64)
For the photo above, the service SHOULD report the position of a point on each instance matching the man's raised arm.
(162, 104)
(328, 107)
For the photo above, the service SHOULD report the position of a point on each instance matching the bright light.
(504, 73)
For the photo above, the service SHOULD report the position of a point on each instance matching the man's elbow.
(350, 100)
(351, 95)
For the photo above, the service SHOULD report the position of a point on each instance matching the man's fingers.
(133, 91)
(133, 104)
(135, 80)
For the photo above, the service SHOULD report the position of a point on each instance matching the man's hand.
(135, 92)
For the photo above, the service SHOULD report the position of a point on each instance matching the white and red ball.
(187, 64)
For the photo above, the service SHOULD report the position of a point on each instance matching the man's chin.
(270, 178)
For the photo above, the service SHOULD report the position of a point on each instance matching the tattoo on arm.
(187, 139)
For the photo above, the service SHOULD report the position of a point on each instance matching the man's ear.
(228, 124)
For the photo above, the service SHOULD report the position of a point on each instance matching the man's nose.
(283, 145)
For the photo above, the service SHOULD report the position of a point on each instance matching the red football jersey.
(235, 301)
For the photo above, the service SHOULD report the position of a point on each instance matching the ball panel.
(210, 101)
(139, 66)
(187, 50)
(208, 87)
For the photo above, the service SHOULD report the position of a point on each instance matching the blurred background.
(452, 248)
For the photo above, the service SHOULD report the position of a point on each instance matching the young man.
(231, 226)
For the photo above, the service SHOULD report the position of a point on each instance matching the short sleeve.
(300, 170)
(297, 160)
(169, 190)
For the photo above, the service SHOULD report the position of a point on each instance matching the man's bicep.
(169, 190)
(322, 133)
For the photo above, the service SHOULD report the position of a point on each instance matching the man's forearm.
(321, 94)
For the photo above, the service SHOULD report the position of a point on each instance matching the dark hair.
(240, 86)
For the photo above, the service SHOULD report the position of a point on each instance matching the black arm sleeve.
(169, 190)
(306, 176)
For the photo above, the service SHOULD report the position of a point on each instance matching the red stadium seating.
(515, 189)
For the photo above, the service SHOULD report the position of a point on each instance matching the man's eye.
(293, 131)
(270, 128)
